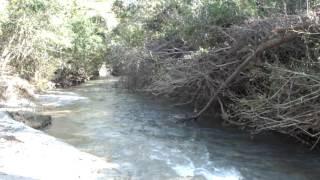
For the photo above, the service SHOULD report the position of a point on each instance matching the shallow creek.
(140, 134)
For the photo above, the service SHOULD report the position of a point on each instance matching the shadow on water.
(140, 134)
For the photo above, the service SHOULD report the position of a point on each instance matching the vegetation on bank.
(43, 40)
(254, 62)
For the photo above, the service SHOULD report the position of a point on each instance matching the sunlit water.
(140, 134)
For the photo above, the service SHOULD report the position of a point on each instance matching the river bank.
(31, 154)
(27, 153)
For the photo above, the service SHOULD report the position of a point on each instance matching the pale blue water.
(141, 135)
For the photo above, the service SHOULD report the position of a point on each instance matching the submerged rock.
(31, 119)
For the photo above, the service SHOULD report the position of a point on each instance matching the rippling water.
(141, 135)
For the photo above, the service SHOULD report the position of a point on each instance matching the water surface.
(141, 135)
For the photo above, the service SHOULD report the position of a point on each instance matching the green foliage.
(88, 42)
(30, 6)
(192, 21)
(40, 36)
(222, 13)
(188, 20)
(129, 34)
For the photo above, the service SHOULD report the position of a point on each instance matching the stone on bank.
(26, 153)
(31, 119)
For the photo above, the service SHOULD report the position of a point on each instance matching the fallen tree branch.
(272, 43)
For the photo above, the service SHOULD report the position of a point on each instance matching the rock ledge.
(26, 153)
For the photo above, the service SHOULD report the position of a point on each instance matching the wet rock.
(36, 121)
(66, 77)
(94, 75)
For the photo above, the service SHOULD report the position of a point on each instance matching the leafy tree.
(40, 36)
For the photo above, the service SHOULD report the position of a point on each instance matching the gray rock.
(34, 120)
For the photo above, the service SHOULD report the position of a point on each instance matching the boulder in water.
(36, 121)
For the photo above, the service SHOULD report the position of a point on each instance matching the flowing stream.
(140, 134)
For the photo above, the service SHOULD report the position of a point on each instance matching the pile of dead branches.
(263, 74)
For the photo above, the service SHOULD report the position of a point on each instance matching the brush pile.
(263, 74)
